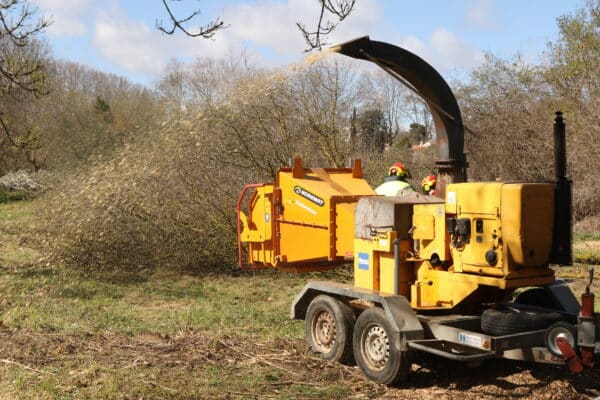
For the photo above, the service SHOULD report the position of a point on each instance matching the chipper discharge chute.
(304, 221)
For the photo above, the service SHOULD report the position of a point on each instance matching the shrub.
(5, 197)
(588, 258)
(20, 181)
(160, 202)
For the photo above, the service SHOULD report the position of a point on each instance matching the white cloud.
(66, 16)
(414, 45)
(450, 52)
(266, 24)
(272, 25)
(444, 50)
(131, 44)
(267, 33)
(483, 15)
(139, 48)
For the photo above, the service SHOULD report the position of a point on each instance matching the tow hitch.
(586, 334)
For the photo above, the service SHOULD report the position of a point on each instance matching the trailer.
(466, 275)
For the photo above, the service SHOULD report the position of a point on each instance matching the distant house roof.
(422, 146)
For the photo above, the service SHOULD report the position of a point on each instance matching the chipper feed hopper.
(303, 221)
(465, 276)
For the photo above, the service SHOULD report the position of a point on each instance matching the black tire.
(500, 322)
(329, 324)
(376, 352)
(560, 329)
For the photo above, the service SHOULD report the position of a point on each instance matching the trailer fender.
(564, 296)
(404, 320)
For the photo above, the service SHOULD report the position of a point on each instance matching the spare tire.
(506, 321)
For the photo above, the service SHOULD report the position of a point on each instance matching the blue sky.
(119, 36)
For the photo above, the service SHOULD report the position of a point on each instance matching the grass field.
(155, 333)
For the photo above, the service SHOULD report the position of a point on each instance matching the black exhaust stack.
(562, 246)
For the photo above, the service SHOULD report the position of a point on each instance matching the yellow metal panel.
(302, 203)
(261, 213)
(429, 221)
(335, 182)
(317, 214)
(386, 272)
(477, 197)
(258, 227)
(344, 230)
(527, 220)
(479, 202)
(424, 226)
(440, 289)
(365, 274)
(486, 235)
(387, 269)
(303, 243)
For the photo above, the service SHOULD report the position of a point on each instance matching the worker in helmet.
(396, 183)
(428, 184)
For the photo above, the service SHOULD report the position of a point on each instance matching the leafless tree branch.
(317, 39)
(17, 27)
(20, 69)
(207, 31)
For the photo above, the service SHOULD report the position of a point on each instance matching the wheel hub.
(324, 330)
(556, 333)
(376, 346)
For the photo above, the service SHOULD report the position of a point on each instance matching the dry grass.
(159, 333)
(201, 365)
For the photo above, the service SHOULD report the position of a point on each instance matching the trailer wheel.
(329, 324)
(376, 351)
(499, 322)
(561, 329)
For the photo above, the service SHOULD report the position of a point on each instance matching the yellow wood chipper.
(465, 275)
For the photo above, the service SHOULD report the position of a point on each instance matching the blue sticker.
(363, 261)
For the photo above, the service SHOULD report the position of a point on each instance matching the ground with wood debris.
(201, 366)
(162, 334)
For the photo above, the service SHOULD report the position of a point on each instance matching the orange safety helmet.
(428, 183)
(398, 169)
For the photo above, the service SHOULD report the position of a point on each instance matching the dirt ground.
(50, 363)
(201, 366)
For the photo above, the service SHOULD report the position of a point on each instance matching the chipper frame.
(464, 276)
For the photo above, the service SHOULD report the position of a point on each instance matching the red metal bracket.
(569, 354)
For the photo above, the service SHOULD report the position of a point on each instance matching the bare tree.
(17, 32)
(206, 31)
(22, 75)
(338, 9)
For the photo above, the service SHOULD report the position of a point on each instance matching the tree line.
(145, 175)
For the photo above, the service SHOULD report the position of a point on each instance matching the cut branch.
(27, 367)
